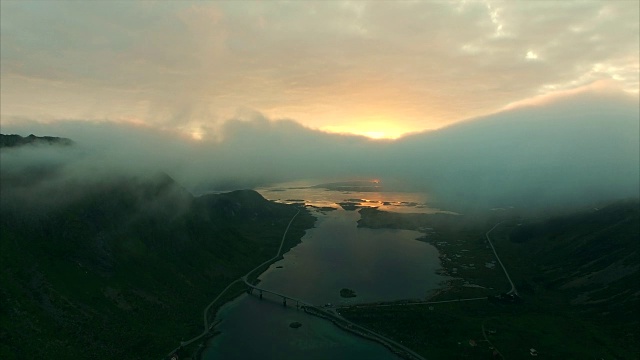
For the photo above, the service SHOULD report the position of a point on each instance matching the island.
(347, 293)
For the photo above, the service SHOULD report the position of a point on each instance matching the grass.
(107, 276)
(563, 251)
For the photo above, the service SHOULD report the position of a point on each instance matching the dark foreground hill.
(121, 267)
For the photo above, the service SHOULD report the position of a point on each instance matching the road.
(244, 278)
(513, 287)
(331, 315)
(347, 325)
(512, 291)
(207, 326)
(412, 303)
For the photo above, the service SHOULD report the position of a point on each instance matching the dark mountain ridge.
(124, 267)
(589, 252)
(577, 276)
(570, 152)
(17, 140)
(587, 263)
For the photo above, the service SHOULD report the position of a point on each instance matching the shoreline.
(365, 333)
(342, 323)
(205, 337)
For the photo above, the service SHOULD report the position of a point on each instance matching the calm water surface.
(378, 265)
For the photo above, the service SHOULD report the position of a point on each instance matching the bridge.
(261, 291)
(338, 320)
(328, 314)
(208, 326)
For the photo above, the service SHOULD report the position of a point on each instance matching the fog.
(570, 151)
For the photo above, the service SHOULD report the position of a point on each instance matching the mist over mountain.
(573, 150)
(17, 140)
(119, 267)
(579, 149)
(94, 213)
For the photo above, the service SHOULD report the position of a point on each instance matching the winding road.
(331, 315)
(513, 287)
(207, 326)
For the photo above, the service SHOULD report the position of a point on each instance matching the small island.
(295, 325)
(350, 205)
(347, 293)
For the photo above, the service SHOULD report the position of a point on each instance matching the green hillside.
(588, 263)
(577, 275)
(122, 267)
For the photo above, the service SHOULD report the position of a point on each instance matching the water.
(259, 329)
(379, 265)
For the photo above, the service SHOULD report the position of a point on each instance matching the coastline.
(364, 333)
(335, 318)
(225, 298)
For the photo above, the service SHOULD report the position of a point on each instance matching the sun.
(377, 130)
(376, 135)
(196, 135)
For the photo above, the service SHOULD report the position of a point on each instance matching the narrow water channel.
(379, 265)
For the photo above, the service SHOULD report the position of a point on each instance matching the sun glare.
(375, 134)
(196, 135)
(380, 131)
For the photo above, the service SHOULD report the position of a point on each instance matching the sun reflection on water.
(310, 194)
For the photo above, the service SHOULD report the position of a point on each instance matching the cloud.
(352, 66)
(562, 151)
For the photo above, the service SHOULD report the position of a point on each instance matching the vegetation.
(17, 140)
(577, 276)
(347, 293)
(125, 266)
(295, 325)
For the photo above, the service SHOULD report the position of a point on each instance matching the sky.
(382, 69)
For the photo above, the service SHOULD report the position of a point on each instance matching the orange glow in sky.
(379, 69)
(378, 129)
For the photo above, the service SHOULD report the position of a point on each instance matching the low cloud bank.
(572, 151)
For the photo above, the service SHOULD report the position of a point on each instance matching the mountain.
(570, 151)
(591, 258)
(17, 140)
(577, 278)
(583, 267)
(122, 266)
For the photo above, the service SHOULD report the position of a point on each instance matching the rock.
(295, 325)
(347, 293)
